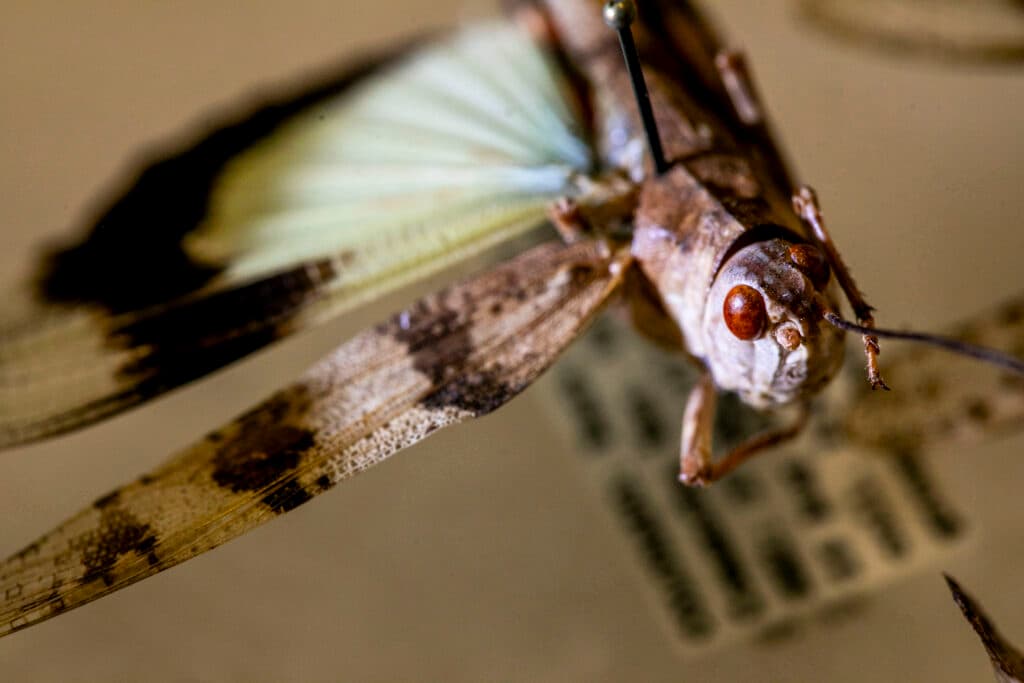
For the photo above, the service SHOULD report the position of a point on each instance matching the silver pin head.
(619, 14)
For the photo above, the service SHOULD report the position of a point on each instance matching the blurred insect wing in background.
(987, 31)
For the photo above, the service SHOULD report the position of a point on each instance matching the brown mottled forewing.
(452, 356)
(1007, 661)
(943, 398)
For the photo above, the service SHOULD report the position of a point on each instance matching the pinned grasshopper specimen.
(328, 198)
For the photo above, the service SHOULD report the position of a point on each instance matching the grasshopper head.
(767, 339)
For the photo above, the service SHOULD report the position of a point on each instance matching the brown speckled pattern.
(447, 359)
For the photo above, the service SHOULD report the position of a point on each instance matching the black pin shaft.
(619, 15)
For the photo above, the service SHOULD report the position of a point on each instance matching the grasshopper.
(683, 209)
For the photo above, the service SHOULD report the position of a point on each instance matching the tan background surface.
(471, 557)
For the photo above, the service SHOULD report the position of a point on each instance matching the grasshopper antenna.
(997, 358)
(619, 15)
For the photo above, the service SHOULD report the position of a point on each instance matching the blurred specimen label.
(792, 536)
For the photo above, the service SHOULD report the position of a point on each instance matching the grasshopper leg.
(732, 69)
(567, 217)
(805, 203)
(602, 206)
(696, 465)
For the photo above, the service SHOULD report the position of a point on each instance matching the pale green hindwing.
(458, 147)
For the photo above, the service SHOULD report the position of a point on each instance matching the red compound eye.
(744, 312)
(811, 262)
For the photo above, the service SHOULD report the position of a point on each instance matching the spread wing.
(292, 215)
(453, 356)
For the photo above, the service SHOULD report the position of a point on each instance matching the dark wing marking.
(944, 398)
(133, 255)
(87, 365)
(453, 356)
(1007, 660)
(61, 368)
(458, 146)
